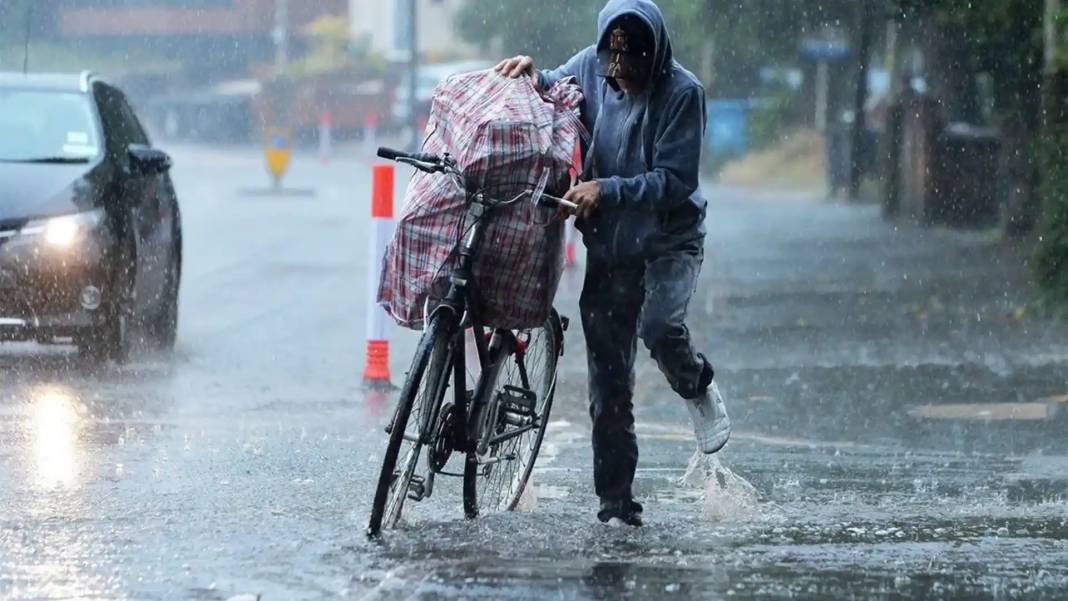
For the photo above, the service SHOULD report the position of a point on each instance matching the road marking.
(654, 431)
(586, 468)
(1036, 411)
(675, 433)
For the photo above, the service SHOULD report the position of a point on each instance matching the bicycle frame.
(461, 304)
(458, 304)
(477, 421)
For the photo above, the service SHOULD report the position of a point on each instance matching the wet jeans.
(621, 302)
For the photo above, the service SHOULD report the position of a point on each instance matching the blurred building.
(215, 39)
(383, 23)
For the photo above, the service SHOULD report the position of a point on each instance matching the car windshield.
(47, 127)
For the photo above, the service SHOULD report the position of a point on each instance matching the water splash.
(528, 500)
(726, 495)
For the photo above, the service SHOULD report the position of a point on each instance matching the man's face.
(626, 53)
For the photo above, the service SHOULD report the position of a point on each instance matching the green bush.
(769, 121)
(1051, 255)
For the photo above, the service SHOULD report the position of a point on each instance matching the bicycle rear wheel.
(419, 401)
(522, 397)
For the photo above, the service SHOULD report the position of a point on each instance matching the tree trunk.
(1054, 124)
(1053, 98)
(1018, 164)
(950, 70)
(858, 147)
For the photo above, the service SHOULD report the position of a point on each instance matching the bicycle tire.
(429, 360)
(472, 505)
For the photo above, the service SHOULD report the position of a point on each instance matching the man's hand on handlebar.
(587, 195)
(517, 66)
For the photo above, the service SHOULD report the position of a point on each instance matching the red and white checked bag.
(506, 138)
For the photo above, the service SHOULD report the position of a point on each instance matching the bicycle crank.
(420, 488)
(443, 445)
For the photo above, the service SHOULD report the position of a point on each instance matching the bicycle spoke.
(431, 391)
(534, 370)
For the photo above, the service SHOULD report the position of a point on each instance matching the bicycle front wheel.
(420, 398)
(522, 399)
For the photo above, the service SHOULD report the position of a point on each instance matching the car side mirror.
(146, 160)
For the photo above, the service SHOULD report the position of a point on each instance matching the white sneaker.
(711, 425)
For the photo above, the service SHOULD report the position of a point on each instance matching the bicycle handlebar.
(553, 202)
(397, 155)
(433, 163)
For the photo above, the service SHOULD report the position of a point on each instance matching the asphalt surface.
(897, 430)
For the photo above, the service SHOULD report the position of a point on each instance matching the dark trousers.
(621, 302)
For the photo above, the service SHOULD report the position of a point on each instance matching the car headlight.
(65, 230)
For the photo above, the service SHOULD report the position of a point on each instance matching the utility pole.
(823, 94)
(280, 35)
(413, 72)
(26, 47)
(860, 123)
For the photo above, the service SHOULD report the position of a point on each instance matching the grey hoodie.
(645, 149)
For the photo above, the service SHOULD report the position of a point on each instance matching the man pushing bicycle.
(642, 214)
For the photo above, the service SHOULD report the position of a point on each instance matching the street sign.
(278, 151)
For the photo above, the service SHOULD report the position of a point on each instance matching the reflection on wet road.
(859, 358)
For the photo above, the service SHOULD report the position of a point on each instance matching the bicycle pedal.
(518, 401)
(417, 488)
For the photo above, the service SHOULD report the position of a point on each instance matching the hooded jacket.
(645, 148)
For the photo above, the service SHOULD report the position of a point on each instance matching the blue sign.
(728, 127)
(825, 50)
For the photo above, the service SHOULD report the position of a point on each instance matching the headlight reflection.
(57, 424)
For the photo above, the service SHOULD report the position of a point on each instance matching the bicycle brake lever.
(423, 166)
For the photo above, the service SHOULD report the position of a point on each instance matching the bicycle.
(498, 424)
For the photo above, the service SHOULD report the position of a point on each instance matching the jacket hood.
(649, 12)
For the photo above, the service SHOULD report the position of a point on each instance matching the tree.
(726, 42)
(328, 39)
(1051, 256)
(1022, 45)
(1001, 41)
(550, 30)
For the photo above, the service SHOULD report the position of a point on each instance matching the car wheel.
(163, 324)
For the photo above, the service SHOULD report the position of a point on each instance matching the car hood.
(29, 190)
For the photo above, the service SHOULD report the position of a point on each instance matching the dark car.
(90, 233)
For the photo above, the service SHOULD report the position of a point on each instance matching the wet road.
(890, 400)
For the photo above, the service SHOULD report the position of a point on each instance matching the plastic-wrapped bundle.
(507, 138)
